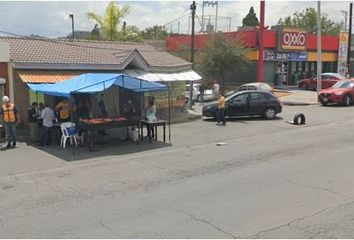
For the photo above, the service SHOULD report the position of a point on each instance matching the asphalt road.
(271, 179)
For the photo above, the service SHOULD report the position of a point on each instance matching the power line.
(184, 15)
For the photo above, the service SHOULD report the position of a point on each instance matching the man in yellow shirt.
(221, 110)
(63, 109)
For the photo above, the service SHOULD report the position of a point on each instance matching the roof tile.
(53, 51)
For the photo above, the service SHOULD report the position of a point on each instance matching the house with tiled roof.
(33, 60)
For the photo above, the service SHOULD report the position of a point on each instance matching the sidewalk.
(298, 98)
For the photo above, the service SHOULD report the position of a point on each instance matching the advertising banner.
(342, 53)
(293, 39)
(285, 56)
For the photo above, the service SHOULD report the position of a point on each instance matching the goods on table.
(103, 120)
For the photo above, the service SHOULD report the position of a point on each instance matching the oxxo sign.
(293, 39)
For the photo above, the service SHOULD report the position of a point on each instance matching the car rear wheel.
(306, 86)
(269, 113)
(347, 100)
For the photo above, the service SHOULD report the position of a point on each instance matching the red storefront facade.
(291, 52)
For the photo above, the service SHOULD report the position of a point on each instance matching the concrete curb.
(289, 103)
(188, 117)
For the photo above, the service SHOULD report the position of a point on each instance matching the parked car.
(256, 86)
(252, 86)
(208, 93)
(247, 103)
(327, 79)
(340, 93)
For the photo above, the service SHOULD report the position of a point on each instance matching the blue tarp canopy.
(95, 82)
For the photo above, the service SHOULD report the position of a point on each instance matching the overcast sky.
(51, 18)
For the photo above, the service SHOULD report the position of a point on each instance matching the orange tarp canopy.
(46, 76)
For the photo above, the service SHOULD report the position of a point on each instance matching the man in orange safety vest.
(9, 117)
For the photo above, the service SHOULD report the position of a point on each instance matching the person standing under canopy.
(102, 110)
(63, 109)
(128, 109)
(32, 122)
(150, 115)
(102, 113)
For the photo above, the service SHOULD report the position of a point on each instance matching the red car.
(340, 93)
(328, 80)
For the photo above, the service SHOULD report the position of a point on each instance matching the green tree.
(131, 34)
(110, 22)
(307, 19)
(155, 32)
(250, 19)
(94, 34)
(222, 56)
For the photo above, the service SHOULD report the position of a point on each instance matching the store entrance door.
(282, 74)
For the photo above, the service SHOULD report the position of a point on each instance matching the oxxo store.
(289, 54)
(294, 56)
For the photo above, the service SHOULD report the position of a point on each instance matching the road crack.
(108, 228)
(317, 188)
(257, 235)
(205, 222)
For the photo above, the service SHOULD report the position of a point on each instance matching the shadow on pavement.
(109, 147)
(336, 106)
(244, 119)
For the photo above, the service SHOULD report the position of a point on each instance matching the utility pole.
(349, 39)
(178, 27)
(193, 7)
(124, 30)
(72, 25)
(261, 45)
(345, 13)
(216, 15)
(203, 24)
(229, 23)
(319, 48)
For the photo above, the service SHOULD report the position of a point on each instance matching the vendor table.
(95, 124)
(154, 124)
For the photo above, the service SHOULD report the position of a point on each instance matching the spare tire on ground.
(299, 119)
